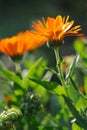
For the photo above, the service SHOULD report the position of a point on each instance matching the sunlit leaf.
(79, 120)
(36, 69)
(76, 127)
(85, 84)
(79, 46)
(52, 87)
(76, 88)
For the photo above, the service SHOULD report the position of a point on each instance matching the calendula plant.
(34, 90)
(54, 31)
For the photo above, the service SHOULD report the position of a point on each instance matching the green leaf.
(36, 69)
(79, 120)
(11, 76)
(76, 88)
(76, 127)
(85, 84)
(73, 83)
(81, 48)
(46, 84)
(52, 87)
(50, 69)
(72, 67)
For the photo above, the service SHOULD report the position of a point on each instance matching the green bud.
(12, 116)
(32, 104)
(8, 117)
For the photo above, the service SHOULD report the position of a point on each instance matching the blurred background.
(17, 16)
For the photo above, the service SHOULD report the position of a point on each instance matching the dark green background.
(17, 16)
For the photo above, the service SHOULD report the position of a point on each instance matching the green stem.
(58, 66)
(17, 66)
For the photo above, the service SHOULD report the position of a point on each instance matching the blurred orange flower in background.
(8, 99)
(34, 41)
(14, 45)
(19, 44)
(55, 29)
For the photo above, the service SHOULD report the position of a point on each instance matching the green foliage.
(47, 104)
(11, 76)
(79, 120)
(76, 127)
(52, 87)
(81, 48)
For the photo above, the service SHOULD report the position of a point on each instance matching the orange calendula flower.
(14, 46)
(33, 40)
(19, 44)
(55, 29)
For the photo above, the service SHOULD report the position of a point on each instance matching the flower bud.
(8, 117)
(32, 104)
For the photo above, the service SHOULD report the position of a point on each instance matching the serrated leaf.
(79, 120)
(46, 84)
(52, 87)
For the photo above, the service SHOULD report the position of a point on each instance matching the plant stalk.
(59, 67)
